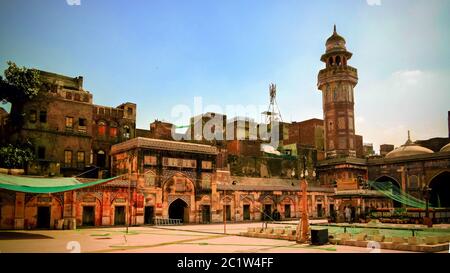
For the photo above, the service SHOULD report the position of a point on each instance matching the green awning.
(45, 185)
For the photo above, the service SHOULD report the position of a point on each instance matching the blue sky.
(160, 54)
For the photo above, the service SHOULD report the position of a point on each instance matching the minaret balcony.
(337, 73)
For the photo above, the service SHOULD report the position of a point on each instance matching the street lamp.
(426, 191)
(303, 225)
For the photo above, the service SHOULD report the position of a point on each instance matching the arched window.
(338, 60)
(101, 128)
(126, 131)
(330, 61)
(344, 60)
(113, 130)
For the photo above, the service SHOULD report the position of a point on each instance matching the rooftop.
(159, 144)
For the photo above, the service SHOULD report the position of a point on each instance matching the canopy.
(394, 192)
(45, 185)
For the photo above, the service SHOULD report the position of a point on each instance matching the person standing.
(348, 214)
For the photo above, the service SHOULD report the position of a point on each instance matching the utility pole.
(130, 158)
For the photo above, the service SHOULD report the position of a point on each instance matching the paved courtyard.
(168, 239)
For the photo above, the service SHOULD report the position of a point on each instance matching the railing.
(159, 221)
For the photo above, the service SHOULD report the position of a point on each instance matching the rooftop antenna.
(273, 113)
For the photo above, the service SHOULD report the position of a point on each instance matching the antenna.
(273, 113)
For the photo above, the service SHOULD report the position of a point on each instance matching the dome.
(408, 149)
(446, 148)
(336, 42)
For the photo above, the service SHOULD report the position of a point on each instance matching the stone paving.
(169, 239)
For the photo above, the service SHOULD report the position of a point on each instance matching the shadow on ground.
(6, 235)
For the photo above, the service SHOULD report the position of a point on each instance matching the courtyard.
(164, 239)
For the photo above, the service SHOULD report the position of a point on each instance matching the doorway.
(88, 216)
(267, 212)
(440, 190)
(246, 212)
(101, 159)
(148, 215)
(178, 209)
(287, 211)
(206, 214)
(119, 215)
(43, 217)
(227, 210)
(319, 210)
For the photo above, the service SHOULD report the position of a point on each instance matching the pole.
(129, 193)
(224, 214)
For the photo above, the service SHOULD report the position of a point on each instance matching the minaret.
(336, 82)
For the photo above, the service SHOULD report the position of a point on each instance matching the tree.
(17, 87)
(15, 156)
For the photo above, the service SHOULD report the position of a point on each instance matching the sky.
(163, 54)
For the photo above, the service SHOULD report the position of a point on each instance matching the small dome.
(407, 149)
(336, 42)
(446, 148)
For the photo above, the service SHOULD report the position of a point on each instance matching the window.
(68, 158)
(33, 116)
(41, 152)
(130, 111)
(69, 123)
(206, 165)
(80, 158)
(150, 160)
(43, 116)
(126, 133)
(338, 60)
(206, 182)
(113, 132)
(82, 123)
(101, 128)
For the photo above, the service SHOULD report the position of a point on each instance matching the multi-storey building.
(70, 134)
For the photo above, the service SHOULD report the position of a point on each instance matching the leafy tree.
(15, 156)
(19, 85)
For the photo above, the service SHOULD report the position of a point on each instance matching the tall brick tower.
(336, 82)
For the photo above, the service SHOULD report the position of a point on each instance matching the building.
(204, 181)
(411, 167)
(179, 180)
(341, 167)
(336, 81)
(70, 134)
(308, 133)
(385, 149)
(435, 144)
(207, 128)
(368, 149)
(111, 125)
(359, 146)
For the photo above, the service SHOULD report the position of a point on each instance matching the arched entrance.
(440, 190)
(395, 186)
(101, 159)
(178, 209)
